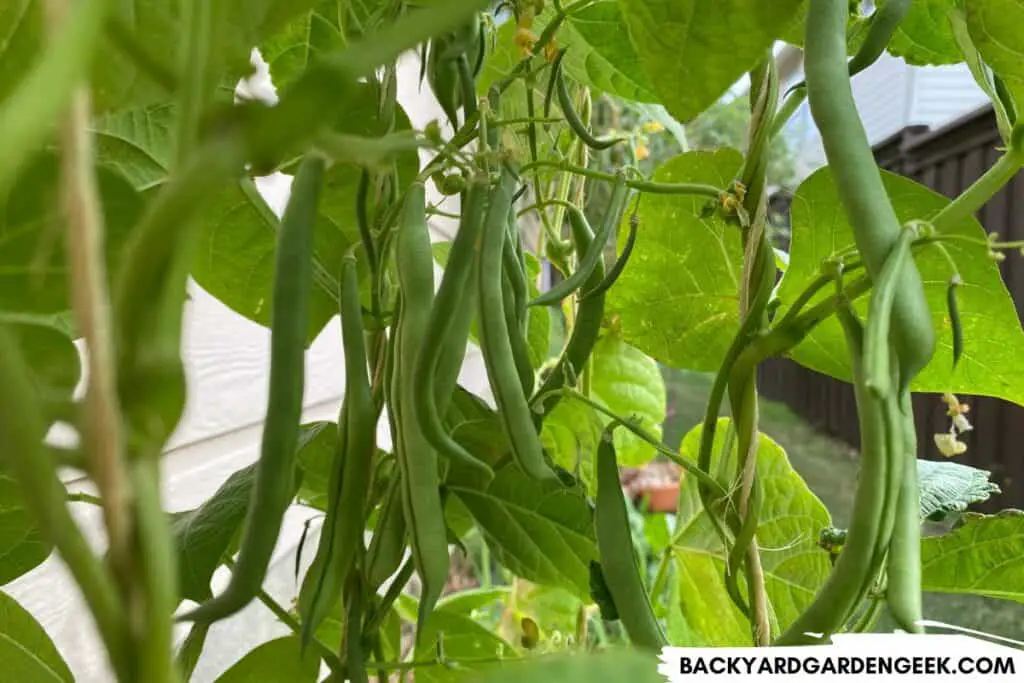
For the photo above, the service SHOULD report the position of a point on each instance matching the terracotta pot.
(661, 498)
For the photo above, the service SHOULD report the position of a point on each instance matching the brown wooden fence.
(946, 160)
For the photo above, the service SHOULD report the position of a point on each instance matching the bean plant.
(128, 171)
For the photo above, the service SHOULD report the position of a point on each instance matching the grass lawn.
(830, 469)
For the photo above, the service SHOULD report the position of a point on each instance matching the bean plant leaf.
(600, 54)
(22, 545)
(993, 339)
(33, 268)
(790, 521)
(609, 666)
(26, 650)
(571, 435)
(308, 37)
(695, 50)
(982, 557)
(925, 36)
(677, 300)
(949, 487)
(203, 535)
(994, 27)
(463, 640)
(541, 531)
(235, 260)
(282, 660)
(629, 383)
(318, 443)
(50, 353)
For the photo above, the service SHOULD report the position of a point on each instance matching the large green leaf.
(925, 36)
(318, 445)
(464, 641)
(571, 434)
(695, 50)
(677, 299)
(600, 54)
(49, 351)
(982, 557)
(629, 383)
(22, 546)
(277, 661)
(790, 521)
(33, 270)
(203, 535)
(308, 37)
(235, 261)
(948, 487)
(994, 26)
(610, 666)
(26, 651)
(993, 339)
(542, 531)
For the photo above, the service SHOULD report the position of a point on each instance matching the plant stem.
(983, 189)
(286, 618)
(687, 464)
(81, 497)
(696, 189)
(102, 436)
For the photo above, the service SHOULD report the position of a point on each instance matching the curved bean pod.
(357, 438)
(445, 330)
(592, 256)
(876, 228)
(618, 557)
(513, 407)
(421, 498)
(273, 485)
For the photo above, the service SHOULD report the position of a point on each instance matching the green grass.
(830, 469)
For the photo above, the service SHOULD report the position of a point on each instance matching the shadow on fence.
(947, 160)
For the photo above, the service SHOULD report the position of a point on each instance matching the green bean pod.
(273, 485)
(618, 557)
(355, 608)
(903, 587)
(571, 116)
(586, 328)
(448, 328)
(357, 439)
(620, 263)
(513, 407)
(883, 294)
(387, 547)
(876, 228)
(954, 319)
(417, 460)
(883, 24)
(520, 348)
(518, 287)
(854, 568)
(591, 257)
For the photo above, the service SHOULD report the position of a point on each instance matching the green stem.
(650, 187)
(687, 464)
(88, 498)
(982, 190)
(286, 618)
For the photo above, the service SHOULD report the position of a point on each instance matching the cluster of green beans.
(883, 543)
